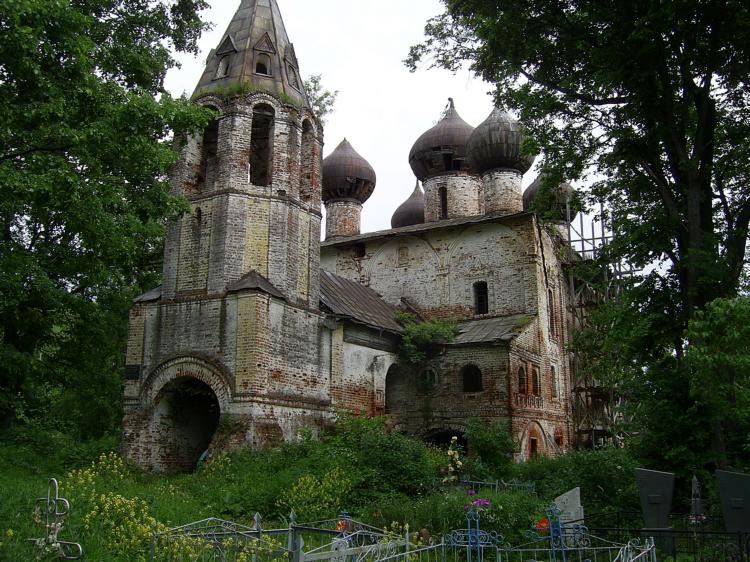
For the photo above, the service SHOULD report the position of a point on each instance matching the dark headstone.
(734, 489)
(656, 490)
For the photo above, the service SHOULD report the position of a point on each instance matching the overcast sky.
(358, 46)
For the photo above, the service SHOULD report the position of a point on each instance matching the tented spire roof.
(254, 51)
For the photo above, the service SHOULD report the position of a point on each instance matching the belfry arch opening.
(261, 145)
(186, 416)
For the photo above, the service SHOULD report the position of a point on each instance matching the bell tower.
(238, 310)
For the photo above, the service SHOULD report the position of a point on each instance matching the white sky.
(358, 46)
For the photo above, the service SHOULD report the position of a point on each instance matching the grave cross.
(51, 512)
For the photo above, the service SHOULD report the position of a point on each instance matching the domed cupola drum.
(348, 181)
(439, 160)
(494, 152)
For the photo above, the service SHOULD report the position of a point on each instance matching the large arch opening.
(186, 416)
(396, 391)
(442, 437)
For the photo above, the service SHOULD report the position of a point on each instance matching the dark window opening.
(293, 80)
(521, 380)
(536, 382)
(551, 313)
(443, 203)
(429, 380)
(472, 378)
(481, 298)
(209, 155)
(360, 250)
(533, 447)
(263, 65)
(261, 145)
(308, 161)
(559, 438)
(448, 162)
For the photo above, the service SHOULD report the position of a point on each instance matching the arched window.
(403, 256)
(261, 145)
(443, 192)
(551, 313)
(481, 298)
(223, 69)
(536, 382)
(522, 380)
(309, 170)
(209, 155)
(263, 64)
(472, 378)
(553, 375)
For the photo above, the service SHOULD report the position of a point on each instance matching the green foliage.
(421, 341)
(85, 129)
(491, 448)
(313, 498)
(606, 478)
(321, 100)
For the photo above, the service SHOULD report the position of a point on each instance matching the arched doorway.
(186, 416)
(396, 391)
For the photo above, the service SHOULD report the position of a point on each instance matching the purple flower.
(471, 492)
(481, 502)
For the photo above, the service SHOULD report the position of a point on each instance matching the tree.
(321, 100)
(652, 100)
(85, 129)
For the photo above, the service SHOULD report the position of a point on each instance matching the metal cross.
(51, 512)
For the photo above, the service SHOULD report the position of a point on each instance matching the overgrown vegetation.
(422, 340)
(377, 475)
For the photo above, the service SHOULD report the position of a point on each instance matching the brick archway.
(534, 441)
(187, 366)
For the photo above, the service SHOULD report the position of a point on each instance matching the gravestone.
(734, 489)
(656, 489)
(569, 503)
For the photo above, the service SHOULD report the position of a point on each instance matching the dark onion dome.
(556, 210)
(346, 175)
(496, 143)
(442, 148)
(411, 211)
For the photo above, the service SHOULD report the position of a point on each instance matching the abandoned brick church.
(259, 329)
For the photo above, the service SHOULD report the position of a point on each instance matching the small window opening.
(536, 382)
(448, 162)
(360, 250)
(533, 447)
(551, 313)
(443, 202)
(261, 144)
(553, 374)
(309, 168)
(472, 378)
(481, 298)
(522, 380)
(429, 379)
(223, 68)
(263, 64)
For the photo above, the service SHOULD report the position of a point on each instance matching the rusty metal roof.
(491, 330)
(348, 299)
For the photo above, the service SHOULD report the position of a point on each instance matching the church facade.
(260, 330)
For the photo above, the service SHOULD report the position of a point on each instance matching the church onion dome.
(554, 208)
(411, 211)
(346, 175)
(496, 144)
(443, 148)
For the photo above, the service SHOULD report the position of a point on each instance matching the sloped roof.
(255, 281)
(149, 296)
(354, 301)
(491, 330)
